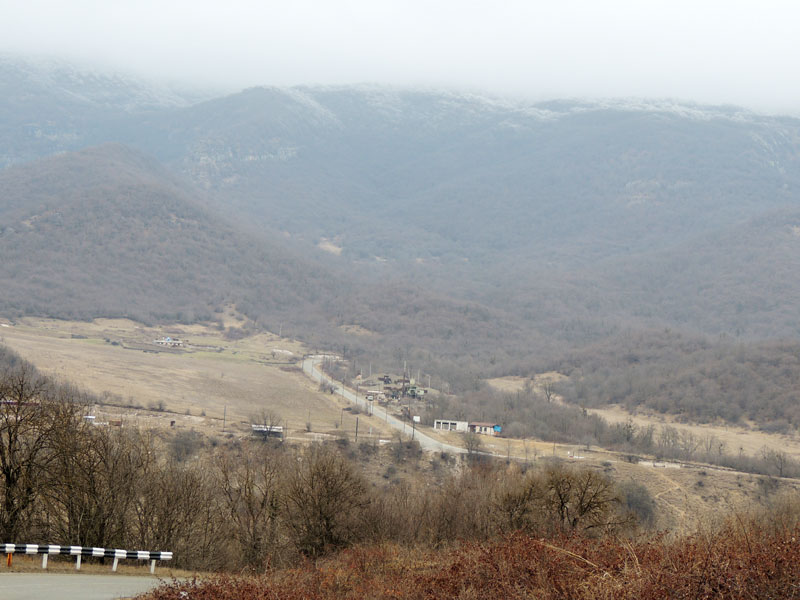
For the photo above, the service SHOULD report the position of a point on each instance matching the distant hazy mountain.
(49, 106)
(408, 175)
(482, 233)
(416, 176)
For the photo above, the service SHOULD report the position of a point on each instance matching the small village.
(408, 397)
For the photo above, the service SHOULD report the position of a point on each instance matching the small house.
(485, 428)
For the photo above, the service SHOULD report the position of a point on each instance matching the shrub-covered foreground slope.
(736, 561)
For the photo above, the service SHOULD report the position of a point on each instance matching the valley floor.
(256, 378)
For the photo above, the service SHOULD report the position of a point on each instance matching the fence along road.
(311, 368)
(79, 551)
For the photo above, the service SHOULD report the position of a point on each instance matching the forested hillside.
(471, 236)
(107, 231)
(699, 378)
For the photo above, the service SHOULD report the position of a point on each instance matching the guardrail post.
(9, 557)
(78, 563)
(44, 560)
(152, 567)
(114, 566)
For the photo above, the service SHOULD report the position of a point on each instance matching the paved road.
(61, 586)
(425, 441)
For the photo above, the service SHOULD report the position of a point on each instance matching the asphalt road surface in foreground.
(58, 586)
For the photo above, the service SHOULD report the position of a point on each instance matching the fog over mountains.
(478, 235)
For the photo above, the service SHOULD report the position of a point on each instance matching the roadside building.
(268, 431)
(485, 428)
(450, 425)
(170, 342)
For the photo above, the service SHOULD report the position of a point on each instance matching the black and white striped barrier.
(81, 551)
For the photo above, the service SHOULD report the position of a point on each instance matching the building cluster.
(385, 388)
(393, 388)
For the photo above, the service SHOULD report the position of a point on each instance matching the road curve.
(426, 442)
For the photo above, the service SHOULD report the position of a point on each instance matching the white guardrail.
(81, 551)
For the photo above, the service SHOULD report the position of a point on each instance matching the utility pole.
(224, 415)
(356, 428)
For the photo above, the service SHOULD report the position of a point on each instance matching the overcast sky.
(711, 51)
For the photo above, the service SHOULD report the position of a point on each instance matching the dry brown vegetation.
(318, 524)
(751, 558)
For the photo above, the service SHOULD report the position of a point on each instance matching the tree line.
(532, 413)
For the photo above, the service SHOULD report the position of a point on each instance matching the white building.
(448, 425)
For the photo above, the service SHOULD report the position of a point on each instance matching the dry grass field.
(253, 377)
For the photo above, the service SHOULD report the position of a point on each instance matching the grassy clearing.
(253, 377)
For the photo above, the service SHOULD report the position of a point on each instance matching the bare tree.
(249, 485)
(688, 444)
(775, 459)
(549, 389)
(30, 411)
(176, 508)
(517, 501)
(473, 445)
(581, 499)
(323, 497)
(100, 473)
